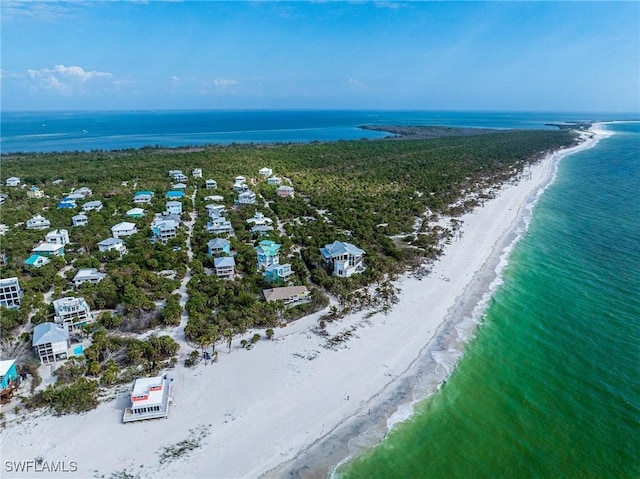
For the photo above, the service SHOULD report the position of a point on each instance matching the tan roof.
(276, 294)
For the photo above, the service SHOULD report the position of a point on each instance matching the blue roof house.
(218, 246)
(36, 260)
(267, 253)
(66, 204)
(8, 373)
(174, 207)
(175, 194)
(277, 272)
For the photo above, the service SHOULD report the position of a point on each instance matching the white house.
(247, 198)
(38, 222)
(239, 186)
(285, 191)
(84, 191)
(164, 229)
(344, 258)
(211, 184)
(124, 229)
(260, 219)
(225, 267)
(266, 172)
(197, 173)
(214, 198)
(174, 207)
(215, 211)
(135, 213)
(288, 295)
(72, 313)
(219, 226)
(3, 229)
(179, 186)
(88, 275)
(60, 237)
(10, 293)
(150, 399)
(13, 181)
(79, 220)
(36, 261)
(49, 249)
(142, 199)
(35, 192)
(274, 181)
(112, 244)
(50, 342)
(92, 206)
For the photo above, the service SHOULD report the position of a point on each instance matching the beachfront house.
(48, 249)
(285, 191)
(88, 275)
(10, 293)
(266, 172)
(196, 173)
(35, 192)
(211, 184)
(344, 259)
(218, 247)
(72, 313)
(267, 254)
(150, 399)
(225, 267)
(60, 237)
(8, 379)
(164, 229)
(289, 295)
(277, 272)
(174, 208)
(36, 261)
(13, 181)
(175, 194)
(95, 205)
(50, 342)
(219, 226)
(247, 197)
(38, 222)
(79, 220)
(124, 229)
(274, 181)
(112, 244)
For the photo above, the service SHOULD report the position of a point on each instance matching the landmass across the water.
(420, 132)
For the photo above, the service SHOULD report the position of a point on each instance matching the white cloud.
(67, 80)
(175, 79)
(355, 83)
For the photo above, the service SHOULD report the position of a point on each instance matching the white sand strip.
(273, 409)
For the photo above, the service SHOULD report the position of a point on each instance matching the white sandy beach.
(289, 405)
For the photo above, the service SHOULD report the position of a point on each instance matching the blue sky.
(544, 56)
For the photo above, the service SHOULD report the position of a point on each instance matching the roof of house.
(338, 248)
(218, 243)
(81, 216)
(173, 203)
(135, 211)
(224, 261)
(143, 192)
(86, 274)
(285, 188)
(47, 248)
(268, 247)
(110, 242)
(49, 333)
(276, 267)
(64, 305)
(125, 225)
(276, 294)
(179, 186)
(92, 204)
(34, 258)
(261, 229)
(6, 365)
(175, 194)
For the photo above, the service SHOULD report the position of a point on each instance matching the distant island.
(405, 132)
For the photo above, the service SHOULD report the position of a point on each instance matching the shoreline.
(290, 406)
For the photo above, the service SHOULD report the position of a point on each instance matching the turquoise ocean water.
(550, 385)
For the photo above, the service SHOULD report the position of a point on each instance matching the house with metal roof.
(112, 244)
(225, 267)
(277, 272)
(124, 229)
(60, 237)
(218, 247)
(72, 313)
(38, 222)
(50, 342)
(79, 220)
(88, 275)
(36, 261)
(344, 259)
(48, 249)
(95, 205)
(175, 194)
(267, 254)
